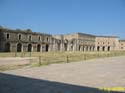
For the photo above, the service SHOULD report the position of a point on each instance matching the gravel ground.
(75, 77)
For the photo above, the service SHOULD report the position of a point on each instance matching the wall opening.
(98, 48)
(90, 48)
(38, 48)
(47, 48)
(103, 48)
(39, 38)
(86, 48)
(93, 48)
(59, 46)
(79, 48)
(47, 39)
(108, 48)
(83, 48)
(65, 46)
(8, 36)
(19, 47)
(7, 47)
(30, 38)
(72, 48)
(121, 47)
(30, 48)
(19, 37)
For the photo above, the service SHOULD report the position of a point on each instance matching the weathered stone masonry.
(28, 41)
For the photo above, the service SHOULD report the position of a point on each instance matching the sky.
(97, 17)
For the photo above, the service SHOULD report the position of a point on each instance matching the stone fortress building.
(28, 41)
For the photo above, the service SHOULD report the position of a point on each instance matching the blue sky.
(98, 17)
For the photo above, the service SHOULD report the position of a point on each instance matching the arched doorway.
(83, 48)
(93, 48)
(71, 45)
(98, 48)
(90, 48)
(38, 48)
(72, 48)
(19, 47)
(7, 47)
(30, 48)
(103, 48)
(59, 46)
(86, 48)
(47, 48)
(79, 48)
(65, 46)
(108, 48)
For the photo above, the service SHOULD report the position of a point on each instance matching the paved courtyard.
(75, 77)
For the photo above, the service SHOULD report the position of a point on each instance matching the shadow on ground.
(18, 84)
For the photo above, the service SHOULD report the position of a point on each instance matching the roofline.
(23, 31)
(79, 33)
(86, 34)
(109, 36)
(122, 40)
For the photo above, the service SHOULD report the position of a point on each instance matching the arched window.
(30, 38)
(47, 39)
(39, 38)
(19, 37)
(8, 35)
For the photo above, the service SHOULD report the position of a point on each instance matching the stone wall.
(77, 42)
(28, 41)
(121, 44)
(106, 43)
(17, 40)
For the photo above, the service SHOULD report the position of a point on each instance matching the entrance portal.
(103, 48)
(108, 48)
(98, 48)
(7, 47)
(47, 48)
(30, 48)
(19, 47)
(38, 48)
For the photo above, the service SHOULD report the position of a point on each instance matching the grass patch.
(11, 67)
(46, 58)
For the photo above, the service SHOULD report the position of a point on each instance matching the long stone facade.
(28, 41)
